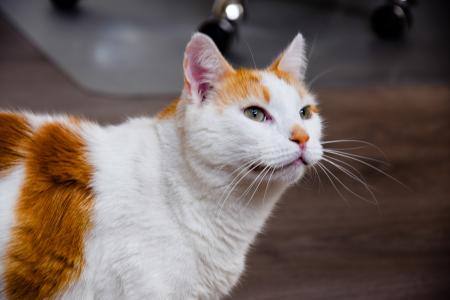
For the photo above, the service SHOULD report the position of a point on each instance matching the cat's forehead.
(283, 90)
(264, 85)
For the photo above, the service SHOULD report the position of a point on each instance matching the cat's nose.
(299, 135)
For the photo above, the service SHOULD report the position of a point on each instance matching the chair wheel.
(65, 4)
(391, 21)
(221, 31)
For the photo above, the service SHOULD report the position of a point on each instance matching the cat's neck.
(218, 221)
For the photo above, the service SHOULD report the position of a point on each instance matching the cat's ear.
(292, 60)
(203, 66)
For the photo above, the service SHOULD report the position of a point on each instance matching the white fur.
(9, 192)
(162, 229)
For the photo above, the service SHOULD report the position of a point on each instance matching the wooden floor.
(317, 245)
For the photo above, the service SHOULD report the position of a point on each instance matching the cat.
(155, 208)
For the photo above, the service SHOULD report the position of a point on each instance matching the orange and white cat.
(154, 208)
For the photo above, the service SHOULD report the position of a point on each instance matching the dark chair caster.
(65, 5)
(222, 26)
(221, 31)
(392, 20)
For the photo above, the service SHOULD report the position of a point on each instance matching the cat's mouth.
(294, 163)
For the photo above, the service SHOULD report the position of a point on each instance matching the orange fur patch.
(240, 85)
(299, 135)
(46, 250)
(170, 110)
(314, 109)
(266, 94)
(14, 131)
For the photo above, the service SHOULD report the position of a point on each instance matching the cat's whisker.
(325, 171)
(232, 186)
(236, 170)
(355, 141)
(347, 164)
(320, 75)
(349, 148)
(240, 169)
(236, 180)
(268, 183)
(350, 190)
(354, 177)
(245, 156)
(250, 51)
(307, 180)
(245, 165)
(253, 182)
(355, 155)
(344, 186)
(240, 157)
(264, 172)
(317, 175)
(373, 167)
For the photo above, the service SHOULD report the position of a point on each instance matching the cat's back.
(52, 171)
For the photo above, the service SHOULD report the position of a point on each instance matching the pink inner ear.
(198, 73)
(198, 77)
(203, 89)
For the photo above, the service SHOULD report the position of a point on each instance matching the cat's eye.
(306, 112)
(255, 113)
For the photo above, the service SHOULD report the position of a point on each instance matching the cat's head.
(265, 120)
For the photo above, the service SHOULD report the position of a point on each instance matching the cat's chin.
(288, 174)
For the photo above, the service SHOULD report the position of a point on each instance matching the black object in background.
(223, 26)
(221, 31)
(392, 20)
(65, 4)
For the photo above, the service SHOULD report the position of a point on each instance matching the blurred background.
(380, 70)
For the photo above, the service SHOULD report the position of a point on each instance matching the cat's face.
(262, 121)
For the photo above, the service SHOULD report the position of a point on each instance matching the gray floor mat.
(136, 47)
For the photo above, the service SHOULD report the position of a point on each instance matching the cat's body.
(152, 208)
